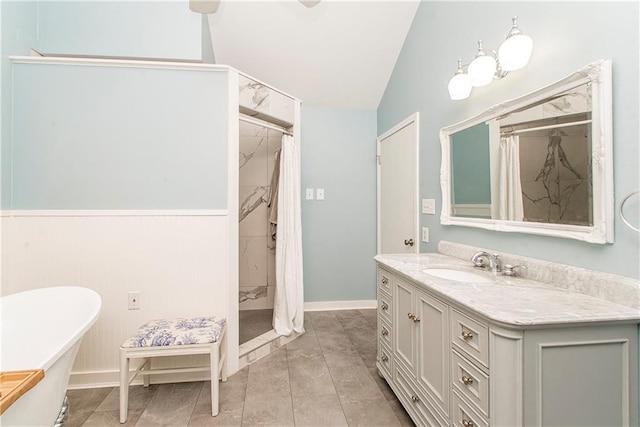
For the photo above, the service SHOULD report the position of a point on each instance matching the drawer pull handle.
(385, 280)
(467, 423)
(384, 305)
(385, 358)
(384, 332)
(415, 398)
(467, 335)
(466, 380)
(413, 317)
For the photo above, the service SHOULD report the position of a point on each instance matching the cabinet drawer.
(384, 281)
(384, 306)
(463, 416)
(470, 337)
(384, 332)
(470, 382)
(385, 361)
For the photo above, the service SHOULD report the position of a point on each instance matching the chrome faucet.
(481, 259)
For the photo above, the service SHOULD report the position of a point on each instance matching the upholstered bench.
(175, 337)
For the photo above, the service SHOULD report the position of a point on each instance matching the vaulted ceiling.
(338, 54)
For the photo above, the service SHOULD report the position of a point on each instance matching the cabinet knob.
(384, 332)
(384, 358)
(466, 335)
(466, 380)
(408, 242)
(384, 280)
(415, 398)
(467, 423)
(411, 316)
(384, 305)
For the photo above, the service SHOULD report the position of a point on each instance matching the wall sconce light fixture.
(513, 54)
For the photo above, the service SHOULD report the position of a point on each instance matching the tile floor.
(327, 377)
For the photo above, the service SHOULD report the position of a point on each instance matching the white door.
(398, 188)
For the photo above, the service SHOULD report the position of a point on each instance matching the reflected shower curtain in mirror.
(288, 310)
(510, 198)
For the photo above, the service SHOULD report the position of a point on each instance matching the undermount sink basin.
(457, 275)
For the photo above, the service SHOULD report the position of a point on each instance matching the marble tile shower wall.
(258, 98)
(258, 147)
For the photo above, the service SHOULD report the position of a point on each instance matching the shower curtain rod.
(560, 125)
(263, 123)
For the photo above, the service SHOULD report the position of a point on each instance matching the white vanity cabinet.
(450, 366)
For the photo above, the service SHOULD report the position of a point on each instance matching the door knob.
(408, 242)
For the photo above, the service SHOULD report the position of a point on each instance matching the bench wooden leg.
(124, 385)
(215, 379)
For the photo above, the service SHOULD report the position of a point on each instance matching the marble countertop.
(513, 301)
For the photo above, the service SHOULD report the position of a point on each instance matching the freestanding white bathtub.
(42, 329)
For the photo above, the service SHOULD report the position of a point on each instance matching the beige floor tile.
(355, 382)
(82, 403)
(139, 398)
(401, 413)
(171, 406)
(346, 314)
(230, 415)
(111, 418)
(308, 373)
(268, 410)
(370, 413)
(318, 411)
(309, 341)
(269, 376)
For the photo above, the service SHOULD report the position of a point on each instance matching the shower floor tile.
(254, 323)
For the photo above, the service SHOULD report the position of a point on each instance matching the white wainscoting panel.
(178, 263)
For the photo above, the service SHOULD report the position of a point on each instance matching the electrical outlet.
(134, 300)
(309, 193)
(425, 234)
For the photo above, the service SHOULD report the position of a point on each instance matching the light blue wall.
(567, 36)
(18, 29)
(338, 151)
(144, 29)
(90, 137)
(147, 29)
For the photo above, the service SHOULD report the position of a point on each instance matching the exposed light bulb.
(515, 51)
(482, 68)
(460, 84)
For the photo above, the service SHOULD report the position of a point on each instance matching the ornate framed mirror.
(540, 164)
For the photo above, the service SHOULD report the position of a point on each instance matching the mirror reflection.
(537, 168)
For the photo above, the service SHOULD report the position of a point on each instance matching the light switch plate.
(429, 206)
(309, 194)
(320, 193)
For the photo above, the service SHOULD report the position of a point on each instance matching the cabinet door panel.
(403, 327)
(433, 348)
(581, 376)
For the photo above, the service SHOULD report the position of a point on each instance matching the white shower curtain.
(288, 310)
(510, 201)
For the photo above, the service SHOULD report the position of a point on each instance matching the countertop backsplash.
(618, 289)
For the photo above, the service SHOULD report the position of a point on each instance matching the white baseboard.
(340, 305)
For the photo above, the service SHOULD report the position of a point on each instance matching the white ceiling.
(337, 54)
